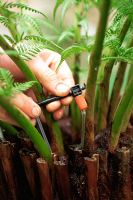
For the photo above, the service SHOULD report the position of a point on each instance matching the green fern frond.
(58, 3)
(66, 35)
(74, 49)
(7, 85)
(65, 6)
(115, 26)
(22, 7)
(4, 20)
(10, 39)
(47, 43)
(21, 87)
(124, 7)
(28, 49)
(123, 54)
(126, 53)
(6, 77)
(19, 21)
(30, 46)
(113, 43)
(24, 20)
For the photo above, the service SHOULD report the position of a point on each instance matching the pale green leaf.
(74, 49)
(58, 3)
(21, 87)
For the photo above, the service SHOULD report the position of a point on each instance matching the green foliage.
(122, 115)
(29, 129)
(4, 20)
(7, 85)
(58, 3)
(8, 129)
(26, 40)
(19, 21)
(125, 7)
(66, 4)
(30, 46)
(73, 50)
(21, 6)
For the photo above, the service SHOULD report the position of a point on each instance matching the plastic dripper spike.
(81, 102)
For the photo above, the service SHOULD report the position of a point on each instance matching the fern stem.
(76, 68)
(38, 92)
(130, 72)
(129, 78)
(122, 115)
(104, 85)
(115, 98)
(92, 77)
(31, 131)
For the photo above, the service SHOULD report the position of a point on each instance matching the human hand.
(54, 81)
(58, 82)
(26, 105)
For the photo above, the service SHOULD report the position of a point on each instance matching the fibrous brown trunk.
(8, 169)
(63, 180)
(29, 162)
(45, 181)
(92, 178)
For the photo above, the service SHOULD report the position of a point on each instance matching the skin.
(54, 81)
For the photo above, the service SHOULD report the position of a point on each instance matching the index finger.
(65, 74)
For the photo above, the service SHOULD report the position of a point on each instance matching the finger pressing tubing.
(66, 101)
(27, 105)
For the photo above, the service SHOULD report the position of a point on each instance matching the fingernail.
(62, 89)
(36, 111)
(59, 114)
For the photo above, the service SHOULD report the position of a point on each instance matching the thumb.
(47, 77)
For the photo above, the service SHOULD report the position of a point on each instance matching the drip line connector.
(75, 91)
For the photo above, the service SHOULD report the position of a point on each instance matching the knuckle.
(51, 75)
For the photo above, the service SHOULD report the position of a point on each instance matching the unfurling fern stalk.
(122, 115)
(104, 84)
(115, 97)
(94, 63)
(79, 41)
